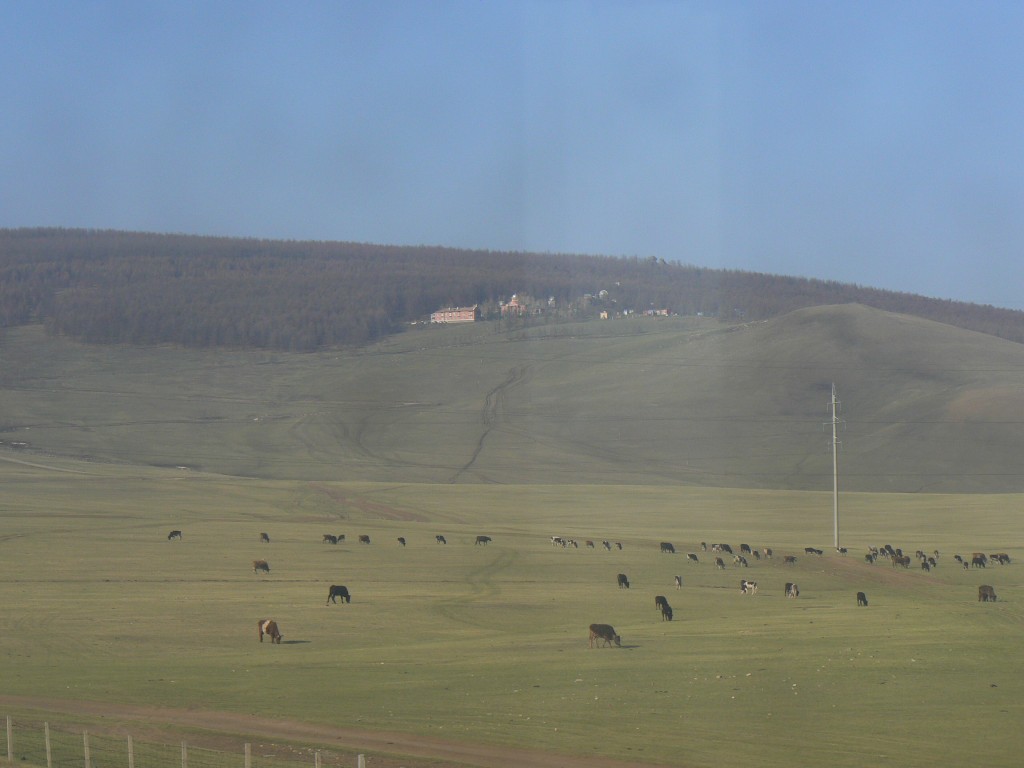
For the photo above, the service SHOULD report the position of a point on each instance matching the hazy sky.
(866, 142)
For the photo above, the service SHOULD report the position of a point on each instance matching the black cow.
(338, 591)
(174, 535)
(604, 632)
(862, 599)
(660, 600)
(265, 538)
(440, 539)
(986, 594)
(666, 612)
(979, 562)
(667, 546)
(719, 563)
(745, 549)
(401, 540)
(623, 581)
(330, 538)
(260, 565)
(812, 551)
(483, 539)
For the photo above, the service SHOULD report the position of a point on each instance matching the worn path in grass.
(221, 730)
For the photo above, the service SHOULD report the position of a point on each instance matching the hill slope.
(682, 401)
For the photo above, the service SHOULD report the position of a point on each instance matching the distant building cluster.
(456, 315)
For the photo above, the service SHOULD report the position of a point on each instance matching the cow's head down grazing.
(269, 628)
(604, 632)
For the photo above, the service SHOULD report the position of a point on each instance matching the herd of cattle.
(606, 633)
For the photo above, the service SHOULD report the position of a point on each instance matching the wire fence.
(40, 745)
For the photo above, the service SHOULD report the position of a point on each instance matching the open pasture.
(488, 643)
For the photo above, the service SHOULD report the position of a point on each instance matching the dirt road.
(227, 731)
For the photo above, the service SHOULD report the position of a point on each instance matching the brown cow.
(986, 594)
(364, 539)
(269, 627)
(265, 538)
(604, 632)
(260, 565)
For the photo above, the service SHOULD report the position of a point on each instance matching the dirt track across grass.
(227, 731)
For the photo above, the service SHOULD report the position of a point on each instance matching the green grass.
(490, 643)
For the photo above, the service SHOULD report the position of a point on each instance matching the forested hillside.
(137, 288)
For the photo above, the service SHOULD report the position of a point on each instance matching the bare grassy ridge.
(927, 407)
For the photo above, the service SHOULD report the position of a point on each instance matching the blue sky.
(874, 143)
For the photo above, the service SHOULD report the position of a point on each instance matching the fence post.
(10, 744)
(85, 742)
(248, 755)
(184, 755)
(360, 761)
(46, 738)
(131, 752)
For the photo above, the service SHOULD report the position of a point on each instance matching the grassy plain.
(489, 643)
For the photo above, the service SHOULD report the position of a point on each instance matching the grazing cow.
(986, 594)
(364, 539)
(174, 535)
(979, 562)
(692, 558)
(401, 540)
(607, 545)
(618, 545)
(812, 551)
(1002, 558)
(703, 546)
(842, 551)
(623, 581)
(740, 560)
(745, 549)
(442, 540)
(341, 537)
(792, 590)
(679, 582)
(264, 538)
(260, 565)
(980, 556)
(667, 546)
(789, 560)
(604, 632)
(666, 612)
(483, 539)
(768, 553)
(903, 560)
(719, 563)
(870, 558)
(330, 538)
(862, 599)
(660, 600)
(925, 566)
(338, 591)
(269, 628)
(590, 544)
(725, 548)
(748, 587)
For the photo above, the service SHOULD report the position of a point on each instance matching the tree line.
(110, 287)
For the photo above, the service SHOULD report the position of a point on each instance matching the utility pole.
(834, 405)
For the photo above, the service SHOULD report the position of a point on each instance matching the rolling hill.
(926, 406)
